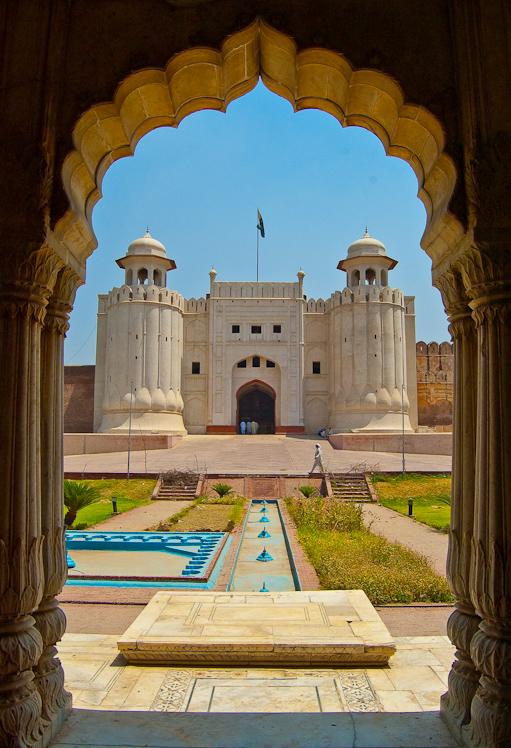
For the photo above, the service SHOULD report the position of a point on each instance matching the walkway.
(267, 454)
(401, 529)
(100, 610)
(119, 704)
(142, 517)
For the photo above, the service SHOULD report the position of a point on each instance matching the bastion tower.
(368, 335)
(140, 347)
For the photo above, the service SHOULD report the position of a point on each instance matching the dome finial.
(147, 232)
(366, 233)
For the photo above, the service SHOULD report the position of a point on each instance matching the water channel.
(264, 561)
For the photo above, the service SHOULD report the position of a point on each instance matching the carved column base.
(464, 676)
(50, 621)
(20, 702)
(490, 724)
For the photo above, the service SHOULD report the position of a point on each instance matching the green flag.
(260, 224)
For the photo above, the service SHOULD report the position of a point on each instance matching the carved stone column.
(24, 292)
(50, 620)
(463, 622)
(489, 283)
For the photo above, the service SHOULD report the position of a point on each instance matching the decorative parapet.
(141, 293)
(196, 306)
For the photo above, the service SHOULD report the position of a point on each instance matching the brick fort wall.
(78, 399)
(434, 383)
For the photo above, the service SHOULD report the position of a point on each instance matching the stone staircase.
(350, 487)
(167, 492)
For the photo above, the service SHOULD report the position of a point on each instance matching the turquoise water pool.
(149, 559)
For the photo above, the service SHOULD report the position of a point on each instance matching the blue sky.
(198, 188)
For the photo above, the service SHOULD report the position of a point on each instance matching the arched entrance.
(256, 402)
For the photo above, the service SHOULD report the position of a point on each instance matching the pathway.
(142, 517)
(401, 529)
(119, 704)
(267, 454)
(92, 610)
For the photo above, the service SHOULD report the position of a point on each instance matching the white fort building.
(258, 351)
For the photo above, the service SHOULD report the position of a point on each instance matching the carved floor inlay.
(265, 691)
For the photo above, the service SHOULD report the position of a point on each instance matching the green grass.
(129, 494)
(347, 556)
(431, 496)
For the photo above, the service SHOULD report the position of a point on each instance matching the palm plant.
(77, 495)
(308, 491)
(222, 489)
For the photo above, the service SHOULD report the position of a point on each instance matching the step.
(331, 628)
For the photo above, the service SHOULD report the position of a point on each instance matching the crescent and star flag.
(260, 224)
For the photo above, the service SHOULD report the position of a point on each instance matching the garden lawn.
(431, 496)
(347, 556)
(207, 515)
(129, 494)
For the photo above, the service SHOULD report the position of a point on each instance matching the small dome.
(147, 245)
(367, 245)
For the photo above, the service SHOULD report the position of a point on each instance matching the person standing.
(318, 461)
(243, 427)
(255, 427)
(249, 426)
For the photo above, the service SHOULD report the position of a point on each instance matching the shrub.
(180, 478)
(222, 489)
(320, 513)
(308, 491)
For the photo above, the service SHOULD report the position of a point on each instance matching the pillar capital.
(25, 289)
(60, 304)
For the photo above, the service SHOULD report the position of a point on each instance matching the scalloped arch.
(203, 78)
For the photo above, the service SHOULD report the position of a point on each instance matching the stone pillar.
(23, 300)
(489, 285)
(50, 620)
(463, 622)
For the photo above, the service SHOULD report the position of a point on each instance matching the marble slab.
(295, 628)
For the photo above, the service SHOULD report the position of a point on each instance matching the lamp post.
(403, 353)
(129, 430)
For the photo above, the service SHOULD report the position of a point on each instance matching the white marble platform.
(292, 628)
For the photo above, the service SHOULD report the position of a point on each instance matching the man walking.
(318, 462)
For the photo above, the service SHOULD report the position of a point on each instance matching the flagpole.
(257, 254)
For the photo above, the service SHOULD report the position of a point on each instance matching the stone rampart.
(435, 365)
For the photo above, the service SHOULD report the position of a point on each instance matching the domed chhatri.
(367, 262)
(146, 262)
(254, 357)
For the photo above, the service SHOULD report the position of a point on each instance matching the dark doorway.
(256, 402)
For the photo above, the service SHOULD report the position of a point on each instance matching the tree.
(77, 495)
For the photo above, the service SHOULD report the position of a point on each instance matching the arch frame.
(204, 78)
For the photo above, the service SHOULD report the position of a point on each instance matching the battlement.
(141, 293)
(196, 306)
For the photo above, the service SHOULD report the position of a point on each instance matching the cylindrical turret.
(371, 345)
(142, 371)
